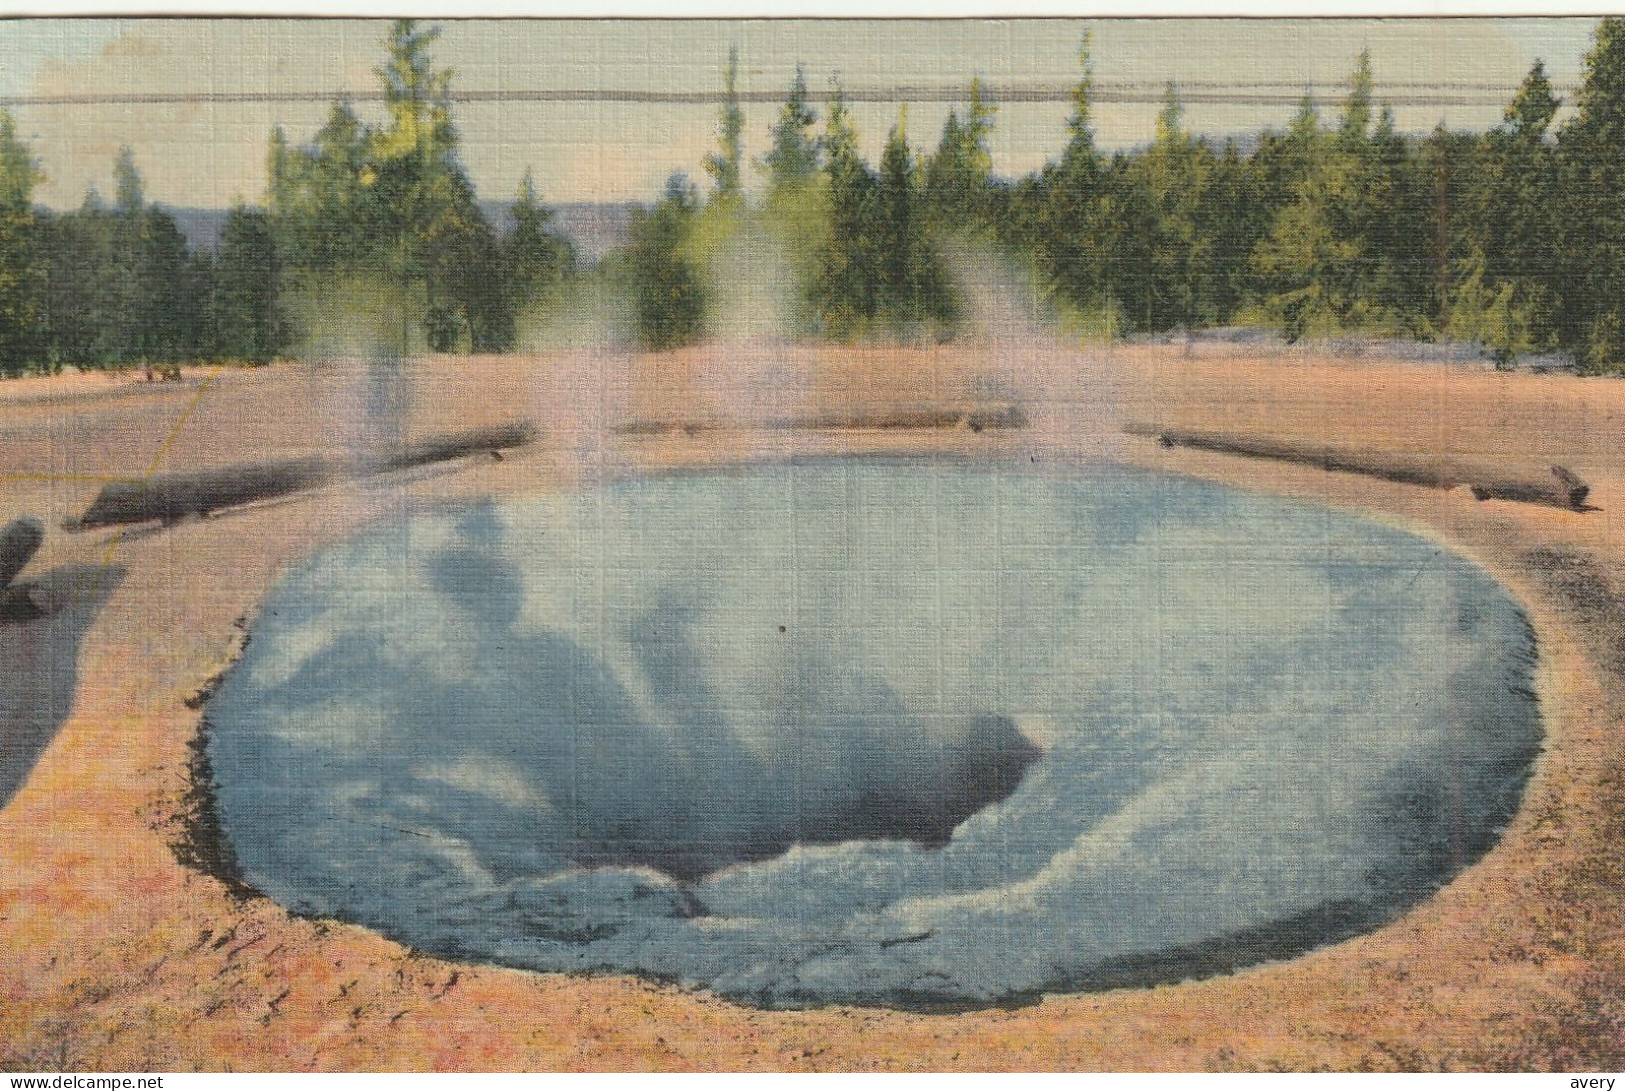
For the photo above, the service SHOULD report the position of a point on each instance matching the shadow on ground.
(39, 664)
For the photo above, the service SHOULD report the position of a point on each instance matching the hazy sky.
(207, 153)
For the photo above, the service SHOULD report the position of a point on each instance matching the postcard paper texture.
(811, 544)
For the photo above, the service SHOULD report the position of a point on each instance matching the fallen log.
(1558, 491)
(444, 448)
(168, 498)
(1554, 486)
(643, 427)
(20, 539)
(974, 417)
(1008, 415)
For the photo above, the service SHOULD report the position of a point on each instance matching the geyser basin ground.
(930, 734)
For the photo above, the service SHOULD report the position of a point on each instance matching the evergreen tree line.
(862, 239)
(1514, 237)
(383, 212)
(117, 286)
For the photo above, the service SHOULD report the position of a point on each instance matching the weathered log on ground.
(1562, 489)
(974, 417)
(1553, 486)
(444, 448)
(168, 498)
(642, 427)
(1008, 415)
(20, 539)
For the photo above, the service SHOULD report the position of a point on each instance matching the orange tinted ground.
(114, 956)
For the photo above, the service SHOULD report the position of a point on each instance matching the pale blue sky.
(206, 154)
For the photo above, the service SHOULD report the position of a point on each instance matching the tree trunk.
(1553, 486)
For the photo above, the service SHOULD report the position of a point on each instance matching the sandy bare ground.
(116, 955)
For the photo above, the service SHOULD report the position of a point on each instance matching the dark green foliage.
(665, 280)
(1590, 278)
(848, 264)
(1351, 250)
(130, 194)
(357, 206)
(79, 252)
(22, 282)
(121, 287)
(1234, 213)
(878, 269)
(1395, 221)
(535, 258)
(156, 311)
(1447, 170)
(959, 191)
(1501, 245)
(1321, 231)
(248, 323)
(792, 161)
(394, 204)
(1508, 237)
(912, 289)
(1061, 213)
(1128, 243)
(1172, 180)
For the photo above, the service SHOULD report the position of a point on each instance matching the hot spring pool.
(927, 734)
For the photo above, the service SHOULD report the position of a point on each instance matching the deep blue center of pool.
(923, 733)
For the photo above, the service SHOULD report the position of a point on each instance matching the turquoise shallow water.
(927, 734)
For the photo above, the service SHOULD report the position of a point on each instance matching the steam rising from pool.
(924, 734)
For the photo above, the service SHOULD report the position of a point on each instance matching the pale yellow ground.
(115, 956)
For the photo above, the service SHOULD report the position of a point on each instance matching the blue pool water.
(922, 733)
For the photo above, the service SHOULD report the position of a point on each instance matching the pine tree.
(895, 226)
(248, 323)
(1356, 126)
(1081, 158)
(174, 311)
(796, 211)
(1125, 238)
(534, 257)
(79, 256)
(666, 283)
(1175, 171)
(1283, 159)
(792, 160)
(394, 203)
(126, 331)
(1343, 254)
(1397, 200)
(723, 165)
(1506, 291)
(1445, 169)
(1070, 229)
(1234, 215)
(959, 176)
(121, 285)
(848, 263)
(1591, 192)
(131, 194)
(321, 198)
(424, 199)
(22, 268)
